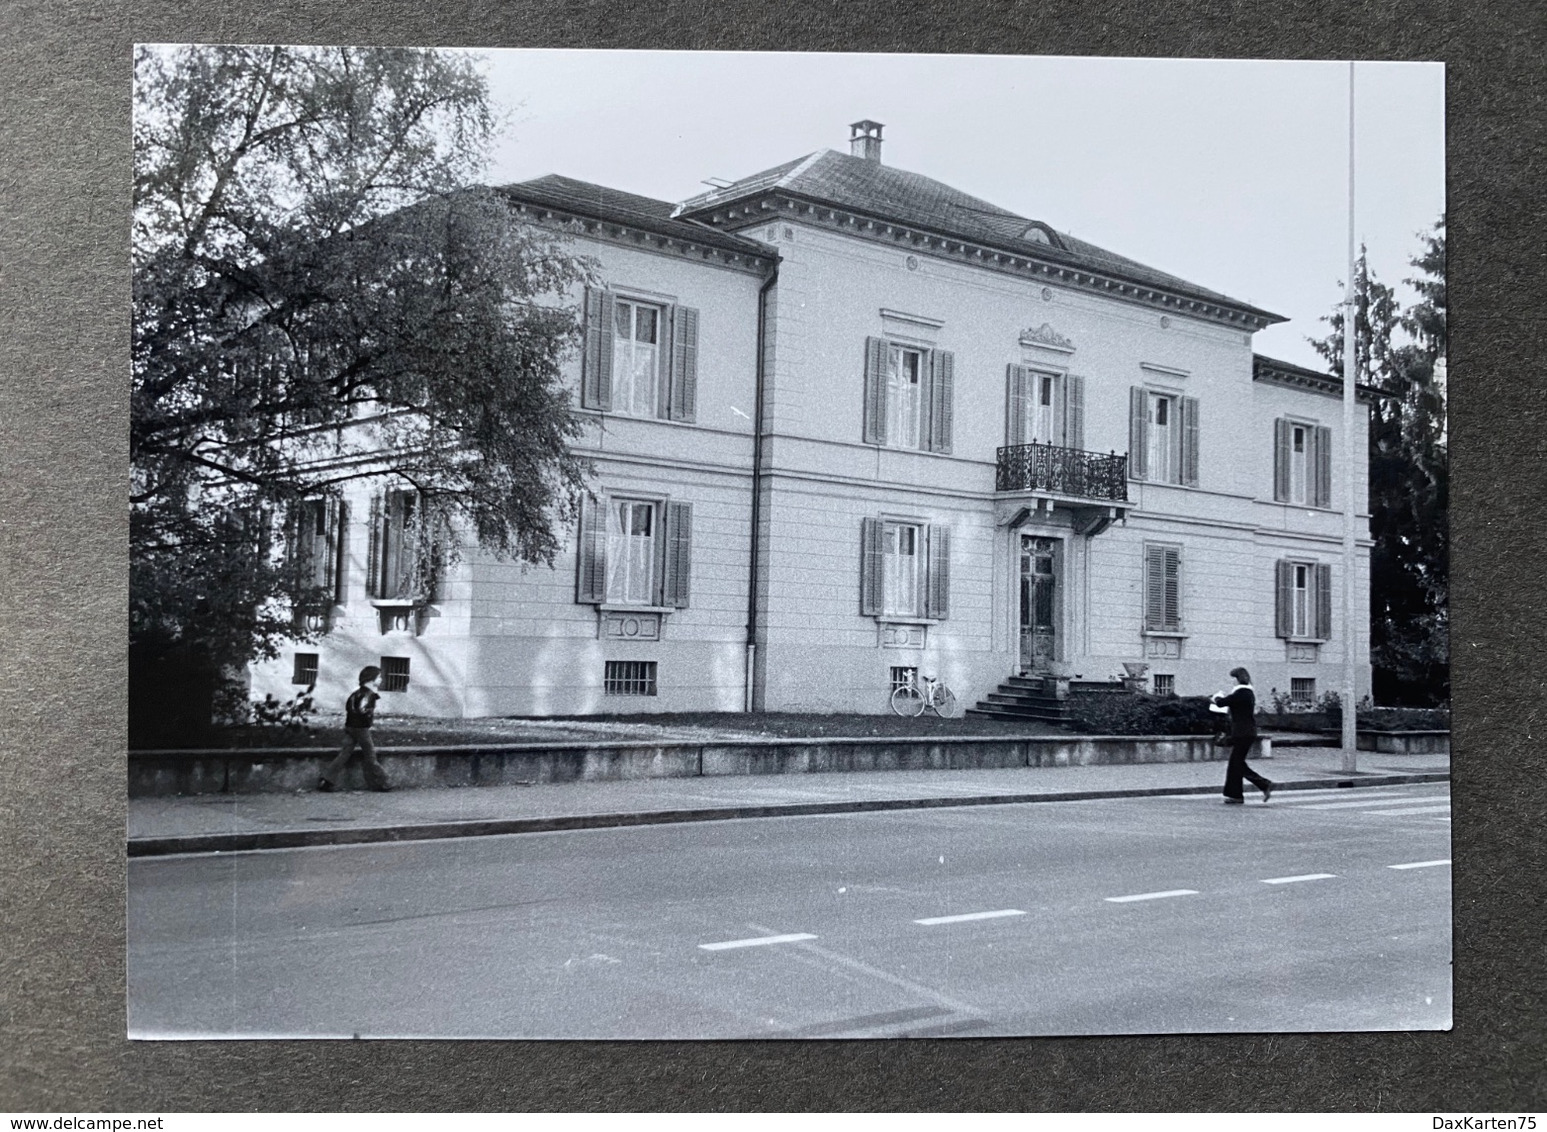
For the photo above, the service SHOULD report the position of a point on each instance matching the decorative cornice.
(775, 202)
(1046, 338)
(637, 235)
(1270, 371)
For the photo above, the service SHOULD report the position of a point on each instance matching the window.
(1304, 600)
(635, 552)
(903, 675)
(316, 539)
(1302, 692)
(640, 357)
(305, 669)
(1044, 408)
(629, 678)
(1162, 437)
(1162, 589)
(394, 674)
(396, 572)
(1302, 463)
(904, 569)
(909, 396)
(1165, 685)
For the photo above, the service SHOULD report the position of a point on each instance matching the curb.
(491, 827)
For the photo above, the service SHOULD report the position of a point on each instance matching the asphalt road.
(1323, 910)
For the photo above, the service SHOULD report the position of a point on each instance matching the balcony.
(1043, 477)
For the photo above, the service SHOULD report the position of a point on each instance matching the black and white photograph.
(713, 545)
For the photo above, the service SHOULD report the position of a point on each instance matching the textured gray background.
(64, 207)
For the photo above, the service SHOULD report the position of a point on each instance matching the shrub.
(1138, 713)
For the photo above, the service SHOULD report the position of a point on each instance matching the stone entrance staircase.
(1032, 697)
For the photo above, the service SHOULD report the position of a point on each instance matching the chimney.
(865, 140)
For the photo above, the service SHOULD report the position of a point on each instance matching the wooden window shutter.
(937, 593)
(875, 390)
(1154, 587)
(942, 394)
(1173, 585)
(591, 552)
(870, 566)
(679, 554)
(596, 368)
(373, 549)
(684, 364)
(1189, 463)
(1285, 605)
(1138, 437)
(665, 362)
(1323, 466)
(1281, 434)
(1324, 601)
(1017, 385)
(1074, 411)
(338, 516)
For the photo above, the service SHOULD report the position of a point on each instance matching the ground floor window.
(904, 569)
(630, 552)
(394, 674)
(1302, 692)
(629, 678)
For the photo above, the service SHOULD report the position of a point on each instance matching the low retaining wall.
(1405, 742)
(164, 773)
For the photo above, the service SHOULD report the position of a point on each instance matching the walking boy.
(359, 714)
(1242, 705)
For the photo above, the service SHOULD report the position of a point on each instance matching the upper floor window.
(641, 357)
(1044, 408)
(909, 396)
(1302, 463)
(1162, 437)
(634, 552)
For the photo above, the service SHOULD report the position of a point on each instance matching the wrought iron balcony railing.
(1063, 471)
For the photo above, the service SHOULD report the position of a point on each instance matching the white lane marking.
(965, 916)
(1152, 895)
(1369, 802)
(1303, 876)
(1445, 809)
(760, 941)
(1420, 864)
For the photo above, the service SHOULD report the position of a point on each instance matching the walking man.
(359, 714)
(1242, 705)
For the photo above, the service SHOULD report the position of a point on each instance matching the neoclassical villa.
(848, 421)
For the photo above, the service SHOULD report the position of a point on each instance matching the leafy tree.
(1402, 354)
(320, 294)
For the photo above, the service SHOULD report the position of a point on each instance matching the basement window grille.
(903, 675)
(394, 674)
(1302, 692)
(629, 678)
(305, 669)
(1165, 685)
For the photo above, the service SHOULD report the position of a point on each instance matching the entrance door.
(1038, 581)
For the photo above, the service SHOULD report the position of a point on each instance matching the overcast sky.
(1232, 175)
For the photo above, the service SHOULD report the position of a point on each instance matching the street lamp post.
(1350, 480)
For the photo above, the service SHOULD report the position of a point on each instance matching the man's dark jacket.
(1242, 703)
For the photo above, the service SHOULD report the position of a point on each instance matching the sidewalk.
(234, 823)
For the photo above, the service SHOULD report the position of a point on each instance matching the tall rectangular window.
(1162, 589)
(1297, 458)
(904, 398)
(1161, 411)
(1163, 437)
(631, 533)
(1302, 600)
(900, 569)
(1302, 463)
(635, 357)
(394, 558)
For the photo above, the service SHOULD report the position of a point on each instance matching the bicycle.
(911, 700)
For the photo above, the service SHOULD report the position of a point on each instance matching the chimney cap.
(865, 139)
(865, 127)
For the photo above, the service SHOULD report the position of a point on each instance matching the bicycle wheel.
(945, 702)
(907, 700)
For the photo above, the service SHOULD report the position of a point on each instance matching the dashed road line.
(965, 916)
(760, 941)
(1302, 876)
(1421, 864)
(1366, 804)
(1445, 809)
(1152, 895)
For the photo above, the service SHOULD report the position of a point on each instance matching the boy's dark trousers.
(1237, 769)
(374, 774)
